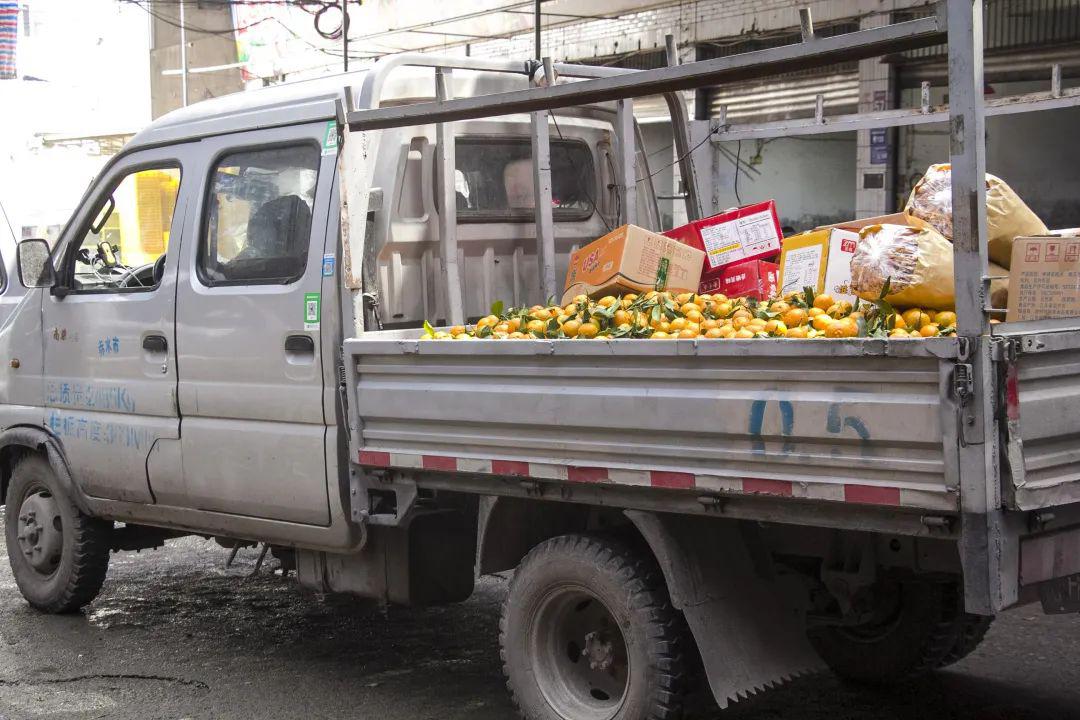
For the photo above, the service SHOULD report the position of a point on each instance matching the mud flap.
(749, 624)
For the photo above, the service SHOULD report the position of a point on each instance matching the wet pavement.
(175, 634)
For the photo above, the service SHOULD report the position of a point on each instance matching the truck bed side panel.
(837, 426)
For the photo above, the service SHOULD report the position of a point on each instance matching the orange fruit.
(678, 324)
(930, 330)
(683, 298)
(794, 317)
(689, 307)
(588, 330)
(714, 332)
(687, 334)
(659, 335)
(694, 316)
(822, 321)
(943, 319)
(607, 301)
(916, 318)
(744, 334)
(570, 328)
(814, 312)
(779, 306)
(621, 317)
(899, 323)
(899, 333)
(540, 314)
(457, 330)
(536, 326)
(823, 302)
(798, 332)
(503, 328)
(719, 297)
(727, 332)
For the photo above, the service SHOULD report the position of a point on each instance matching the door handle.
(155, 343)
(300, 344)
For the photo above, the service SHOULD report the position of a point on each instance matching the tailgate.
(843, 421)
(1042, 408)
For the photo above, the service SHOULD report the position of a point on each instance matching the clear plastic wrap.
(916, 262)
(1007, 217)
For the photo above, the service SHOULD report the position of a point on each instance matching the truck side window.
(494, 180)
(128, 234)
(258, 220)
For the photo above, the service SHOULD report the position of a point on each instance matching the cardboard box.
(893, 219)
(747, 233)
(1044, 281)
(752, 278)
(820, 259)
(630, 259)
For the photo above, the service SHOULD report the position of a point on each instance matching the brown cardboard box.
(894, 219)
(1044, 281)
(630, 259)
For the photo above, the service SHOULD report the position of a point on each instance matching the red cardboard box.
(753, 278)
(746, 233)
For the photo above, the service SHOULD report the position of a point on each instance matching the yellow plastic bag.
(916, 262)
(1007, 217)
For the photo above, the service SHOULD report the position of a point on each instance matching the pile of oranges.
(686, 316)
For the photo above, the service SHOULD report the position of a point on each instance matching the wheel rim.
(578, 655)
(40, 531)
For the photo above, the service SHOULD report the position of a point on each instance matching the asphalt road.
(175, 634)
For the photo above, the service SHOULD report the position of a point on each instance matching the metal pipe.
(624, 131)
(372, 84)
(345, 34)
(680, 128)
(545, 224)
(806, 24)
(538, 50)
(447, 167)
(858, 45)
(183, 59)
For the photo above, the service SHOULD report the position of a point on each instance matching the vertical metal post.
(924, 97)
(536, 31)
(624, 129)
(987, 556)
(680, 130)
(545, 225)
(806, 24)
(345, 34)
(447, 165)
(1055, 80)
(183, 58)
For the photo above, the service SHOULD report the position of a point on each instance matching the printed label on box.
(802, 268)
(731, 241)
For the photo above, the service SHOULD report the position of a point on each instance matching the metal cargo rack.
(989, 535)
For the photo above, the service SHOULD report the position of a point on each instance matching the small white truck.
(225, 342)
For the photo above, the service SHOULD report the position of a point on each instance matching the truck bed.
(867, 422)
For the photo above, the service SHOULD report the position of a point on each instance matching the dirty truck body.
(758, 509)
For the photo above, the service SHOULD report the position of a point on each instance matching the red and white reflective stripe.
(836, 492)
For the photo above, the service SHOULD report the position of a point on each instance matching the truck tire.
(972, 631)
(916, 637)
(58, 555)
(588, 632)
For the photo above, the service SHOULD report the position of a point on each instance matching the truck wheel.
(915, 635)
(972, 631)
(588, 633)
(58, 555)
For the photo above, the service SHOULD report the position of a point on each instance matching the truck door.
(248, 331)
(109, 326)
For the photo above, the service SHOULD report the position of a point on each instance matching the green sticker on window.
(312, 310)
(330, 138)
(661, 274)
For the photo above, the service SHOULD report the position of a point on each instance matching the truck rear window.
(494, 180)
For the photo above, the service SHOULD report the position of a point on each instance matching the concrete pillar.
(875, 151)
